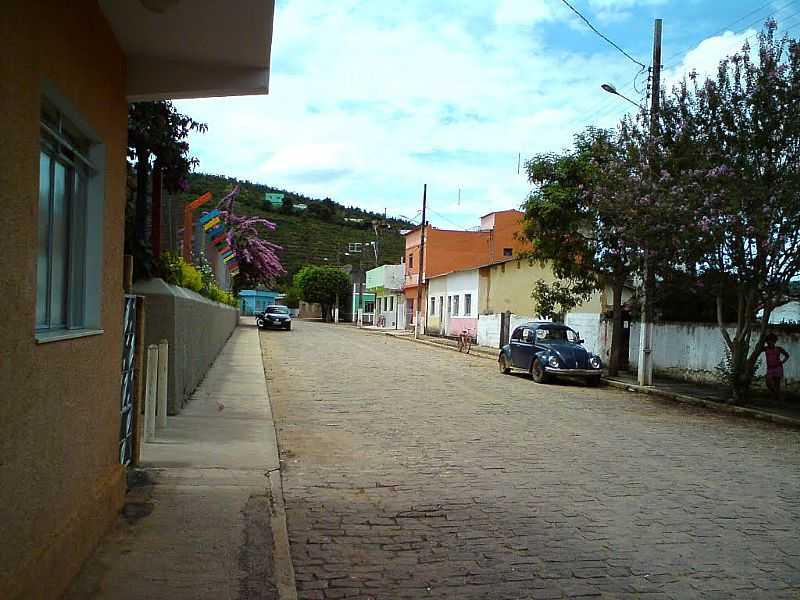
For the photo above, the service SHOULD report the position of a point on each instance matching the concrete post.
(150, 393)
(163, 375)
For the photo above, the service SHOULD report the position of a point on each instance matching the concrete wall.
(195, 327)
(489, 328)
(60, 482)
(692, 351)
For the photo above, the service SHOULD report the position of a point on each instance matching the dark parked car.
(546, 350)
(275, 316)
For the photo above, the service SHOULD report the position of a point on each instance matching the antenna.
(519, 161)
(459, 196)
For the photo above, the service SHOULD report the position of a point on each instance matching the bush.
(173, 269)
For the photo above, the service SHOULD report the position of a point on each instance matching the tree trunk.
(616, 328)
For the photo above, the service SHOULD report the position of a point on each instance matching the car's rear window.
(278, 310)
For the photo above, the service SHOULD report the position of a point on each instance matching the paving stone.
(410, 472)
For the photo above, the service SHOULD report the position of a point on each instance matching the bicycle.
(465, 341)
(381, 321)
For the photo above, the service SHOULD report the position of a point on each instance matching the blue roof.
(263, 293)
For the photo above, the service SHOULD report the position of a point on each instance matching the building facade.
(448, 251)
(68, 73)
(453, 303)
(386, 283)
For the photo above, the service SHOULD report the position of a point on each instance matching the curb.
(740, 411)
(282, 566)
(409, 338)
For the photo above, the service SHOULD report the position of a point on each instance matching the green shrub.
(173, 269)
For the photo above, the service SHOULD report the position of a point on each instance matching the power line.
(592, 27)
(746, 27)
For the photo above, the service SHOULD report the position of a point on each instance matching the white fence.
(692, 351)
(587, 324)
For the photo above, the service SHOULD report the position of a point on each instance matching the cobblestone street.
(415, 472)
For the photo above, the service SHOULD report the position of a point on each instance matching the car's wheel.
(593, 381)
(538, 373)
(289, 327)
(260, 323)
(503, 364)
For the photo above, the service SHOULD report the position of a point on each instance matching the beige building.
(507, 286)
(68, 71)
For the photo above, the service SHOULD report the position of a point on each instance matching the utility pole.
(645, 367)
(418, 324)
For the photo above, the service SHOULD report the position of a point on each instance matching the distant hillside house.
(274, 200)
(301, 206)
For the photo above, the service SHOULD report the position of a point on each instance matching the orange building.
(449, 250)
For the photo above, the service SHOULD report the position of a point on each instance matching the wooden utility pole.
(645, 367)
(417, 322)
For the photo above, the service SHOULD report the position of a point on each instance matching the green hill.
(315, 234)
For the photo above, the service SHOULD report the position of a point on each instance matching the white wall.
(392, 316)
(588, 325)
(489, 328)
(692, 351)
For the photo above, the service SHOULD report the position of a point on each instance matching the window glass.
(455, 306)
(43, 262)
(556, 334)
(517, 335)
(527, 335)
(433, 306)
(441, 306)
(391, 303)
(508, 252)
(449, 305)
(58, 248)
(467, 305)
(410, 261)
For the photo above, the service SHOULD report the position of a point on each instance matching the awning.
(193, 48)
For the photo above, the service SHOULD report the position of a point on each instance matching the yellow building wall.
(60, 482)
(508, 286)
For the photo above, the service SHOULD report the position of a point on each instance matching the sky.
(369, 100)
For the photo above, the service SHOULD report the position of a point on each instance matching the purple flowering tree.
(730, 150)
(257, 258)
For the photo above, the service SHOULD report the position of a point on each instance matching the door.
(126, 393)
(522, 348)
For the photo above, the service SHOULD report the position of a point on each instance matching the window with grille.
(467, 305)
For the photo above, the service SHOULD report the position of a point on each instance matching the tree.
(323, 285)
(257, 258)
(731, 147)
(577, 219)
(287, 207)
(157, 134)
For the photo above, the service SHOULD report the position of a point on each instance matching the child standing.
(776, 356)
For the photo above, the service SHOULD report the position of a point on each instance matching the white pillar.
(163, 378)
(645, 367)
(150, 393)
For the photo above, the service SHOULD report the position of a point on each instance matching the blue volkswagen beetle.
(548, 349)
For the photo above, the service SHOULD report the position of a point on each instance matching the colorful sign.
(208, 225)
(209, 216)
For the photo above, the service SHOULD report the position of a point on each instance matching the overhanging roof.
(193, 48)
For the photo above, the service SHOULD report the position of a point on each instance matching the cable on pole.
(593, 28)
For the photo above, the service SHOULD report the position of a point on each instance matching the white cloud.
(706, 56)
(366, 107)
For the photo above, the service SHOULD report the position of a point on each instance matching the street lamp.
(608, 87)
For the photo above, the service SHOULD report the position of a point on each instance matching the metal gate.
(128, 363)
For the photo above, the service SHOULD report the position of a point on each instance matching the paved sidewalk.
(197, 521)
(761, 405)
